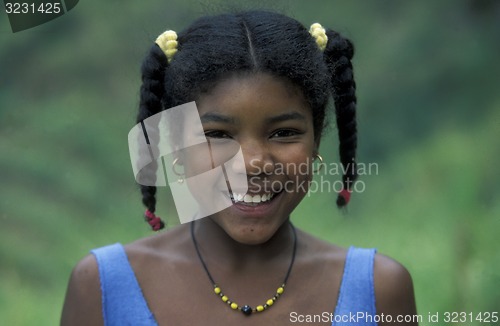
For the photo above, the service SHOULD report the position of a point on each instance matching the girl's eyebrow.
(216, 117)
(285, 117)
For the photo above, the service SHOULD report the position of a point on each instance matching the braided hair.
(215, 47)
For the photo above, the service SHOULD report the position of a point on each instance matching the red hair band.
(346, 195)
(153, 220)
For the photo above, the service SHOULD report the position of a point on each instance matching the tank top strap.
(356, 302)
(122, 300)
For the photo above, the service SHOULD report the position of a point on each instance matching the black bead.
(247, 310)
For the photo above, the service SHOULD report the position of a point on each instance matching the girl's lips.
(261, 209)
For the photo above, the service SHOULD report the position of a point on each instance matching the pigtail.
(151, 95)
(338, 54)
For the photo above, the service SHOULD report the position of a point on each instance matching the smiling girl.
(262, 80)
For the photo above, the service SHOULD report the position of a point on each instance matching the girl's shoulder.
(392, 282)
(393, 288)
(82, 305)
(83, 298)
(385, 268)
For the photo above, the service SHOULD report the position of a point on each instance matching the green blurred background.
(429, 116)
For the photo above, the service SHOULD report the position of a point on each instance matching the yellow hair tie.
(167, 41)
(319, 33)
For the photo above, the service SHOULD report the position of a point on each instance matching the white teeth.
(247, 198)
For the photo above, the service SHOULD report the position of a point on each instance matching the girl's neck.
(216, 245)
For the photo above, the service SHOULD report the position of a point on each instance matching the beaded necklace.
(246, 309)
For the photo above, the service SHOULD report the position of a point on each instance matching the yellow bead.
(171, 45)
(234, 306)
(217, 290)
(170, 35)
(260, 308)
(316, 25)
(224, 298)
(170, 52)
(280, 290)
(270, 302)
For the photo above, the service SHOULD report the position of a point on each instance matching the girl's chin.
(251, 238)
(249, 233)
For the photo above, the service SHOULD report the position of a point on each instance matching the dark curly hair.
(216, 47)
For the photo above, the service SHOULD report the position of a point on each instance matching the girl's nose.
(258, 159)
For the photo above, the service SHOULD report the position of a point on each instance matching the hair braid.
(338, 55)
(151, 96)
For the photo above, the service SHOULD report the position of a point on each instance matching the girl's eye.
(284, 133)
(216, 134)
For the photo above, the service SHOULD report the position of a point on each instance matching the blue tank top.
(124, 304)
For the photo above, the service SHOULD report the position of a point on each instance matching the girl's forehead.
(258, 93)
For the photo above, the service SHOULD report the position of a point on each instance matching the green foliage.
(429, 117)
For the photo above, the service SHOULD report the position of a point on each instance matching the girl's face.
(273, 125)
